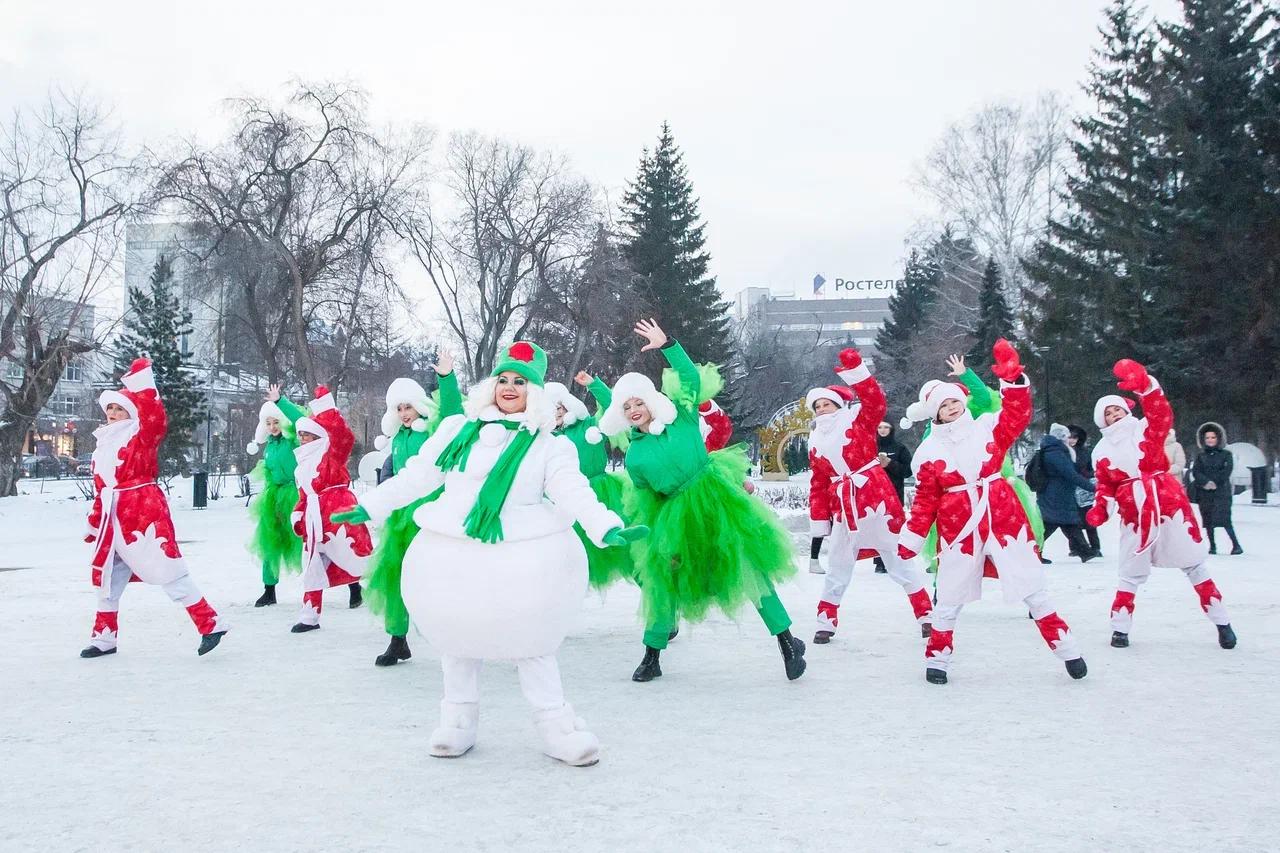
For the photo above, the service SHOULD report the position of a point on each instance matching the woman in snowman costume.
(274, 542)
(1157, 525)
(130, 524)
(981, 522)
(410, 419)
(498, 573)
(333, 553)
(574, 422)
(712, 544)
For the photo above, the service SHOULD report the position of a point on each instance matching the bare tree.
(298, 184)
(996, 176)
(65, 188)
(507, 220)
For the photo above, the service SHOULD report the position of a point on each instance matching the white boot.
(565, 736)
(457, 732)
(815, 568)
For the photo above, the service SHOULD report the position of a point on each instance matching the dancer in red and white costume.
(980, 519)
(1157, 526)
(715, 426)
(332, 554)
(851, 498)
(130, 521)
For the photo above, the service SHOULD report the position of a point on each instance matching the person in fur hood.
(498, 573)
(712, 544)
(1157, 526)
(333, 553)
(1211, 476)
(274, 542)
(851, 498)
(130, 527)
(982, 526)
(410, 419)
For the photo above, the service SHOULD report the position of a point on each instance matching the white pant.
(873, 533)
(539, 680)
(183, 590)
(1053, 630)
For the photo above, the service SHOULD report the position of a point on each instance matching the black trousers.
(1074, 536)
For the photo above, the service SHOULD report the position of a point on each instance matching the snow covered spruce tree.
(995, 320)
(664, 243)
(909, 305)
(155, 325)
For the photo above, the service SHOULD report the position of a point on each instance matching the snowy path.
(280, 742)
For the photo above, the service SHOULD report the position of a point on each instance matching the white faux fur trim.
(312, 426)
(594, 435)
(323, 403)
(140, 381)
(267, 410)
(574, 409)
(406, 391)
(120, 399)
(380, 442)
(1100, 408)
(854, 375)
(823, 393)
(631, 385)
(252, 448)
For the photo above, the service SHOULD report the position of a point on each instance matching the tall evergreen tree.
(664, 244)
(155, 325)
(908, 307)
(995, 320)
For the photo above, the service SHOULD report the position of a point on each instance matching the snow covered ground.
(282, 742)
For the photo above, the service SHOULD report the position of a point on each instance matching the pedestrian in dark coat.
(1057, 500)
(1078, 441)
(1211, 475)
(894, 458)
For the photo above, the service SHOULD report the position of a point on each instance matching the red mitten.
(321, 390)
(906, 553)
(704, 408)
(1132, 375)
(849, 359)
(89, 537)
(139, 364)
(1008, 366)
(1097, 515)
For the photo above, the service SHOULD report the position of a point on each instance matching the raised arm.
(674, 354)
(981, 398)
(856, 374)
(450, 394)
(599, 389)
(1156, 411)
(1015, 398)
(291, 410)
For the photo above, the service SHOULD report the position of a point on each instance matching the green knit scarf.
(484, 522)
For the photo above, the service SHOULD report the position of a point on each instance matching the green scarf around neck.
(484, 521)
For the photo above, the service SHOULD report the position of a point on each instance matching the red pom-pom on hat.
(521, 351)
(321, 390)
(139, 364)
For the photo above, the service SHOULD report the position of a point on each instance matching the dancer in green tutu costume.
(982, 400)
(710, 543)
(604, 565)
(274, 541)
(410, 419)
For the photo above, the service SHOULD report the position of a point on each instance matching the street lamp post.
(1048, 400)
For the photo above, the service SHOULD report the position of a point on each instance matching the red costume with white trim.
(130, 522)
(851, 498)
(332, 554)
(715, 426)
(981, 523)
(1157, 525)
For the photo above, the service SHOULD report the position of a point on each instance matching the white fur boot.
(457, 732)
(815, 568)
(565, 736)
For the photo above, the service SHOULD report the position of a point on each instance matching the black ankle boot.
(95, 652)
(268, 596)
(397, 650)
(302, 628)
(821, 638)
(792, 655)
(935, 676)
(357, 598)
(1226, 637)
(1119, 640)
(209, 642)
(648, 669)
(1076, 668)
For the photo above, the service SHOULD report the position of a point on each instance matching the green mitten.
(620, 537)
(359, 515)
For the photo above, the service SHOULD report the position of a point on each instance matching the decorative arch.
(791, 421)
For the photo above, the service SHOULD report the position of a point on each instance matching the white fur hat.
(630, 385)
(404, 391)
(574, 409)
(266, 410)
(836, 394)
(312, 426)
(933, 394)
(1100, 407)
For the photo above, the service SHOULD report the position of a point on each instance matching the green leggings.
(270, 572)
(770, 608)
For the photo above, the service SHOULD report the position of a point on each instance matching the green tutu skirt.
(606, 565)
(1026, 497)
(710, 544)
(382, 585)
(274, 542)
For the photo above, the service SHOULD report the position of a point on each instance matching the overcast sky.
(800, 122)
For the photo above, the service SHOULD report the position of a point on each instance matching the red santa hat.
(841, 395)
(933, 394)
(1100, 408)
(139, 377)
